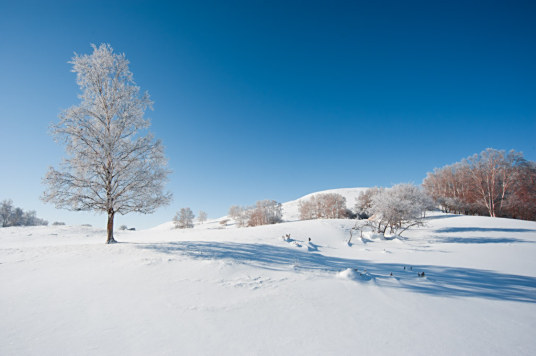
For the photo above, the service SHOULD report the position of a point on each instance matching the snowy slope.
(227, 290)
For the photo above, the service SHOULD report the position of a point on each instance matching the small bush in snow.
(58, 223)
(123, 227)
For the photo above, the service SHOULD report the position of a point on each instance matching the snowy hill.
(227, 290)
(290, 209)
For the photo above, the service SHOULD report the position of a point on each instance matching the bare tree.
(491, 183)
(201, 216)
(494, 173)
(521, 204)
(184, 219)
(111, 167)
(265, 212)
(323, 206)
(234, 211)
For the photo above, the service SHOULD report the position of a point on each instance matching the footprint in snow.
(248, 282)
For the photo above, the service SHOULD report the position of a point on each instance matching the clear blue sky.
(276, 99)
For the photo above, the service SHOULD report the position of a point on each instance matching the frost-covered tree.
(399, 208)
(239, 214)
(184, 219)
(234, 211)
(113, 165)
(17, 217)
(363, 205)
(201, 216)
(6, 209)
(13, 216)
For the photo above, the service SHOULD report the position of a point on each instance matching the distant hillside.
(290, 208)
(291, 212)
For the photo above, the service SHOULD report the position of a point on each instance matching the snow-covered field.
(226, 290)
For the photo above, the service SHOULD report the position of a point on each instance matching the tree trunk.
(110, 228)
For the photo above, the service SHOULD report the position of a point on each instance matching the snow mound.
(348, 273)
(354, 275)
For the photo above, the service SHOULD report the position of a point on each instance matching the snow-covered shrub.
(123, 227)
(398, 208)
(323, 206)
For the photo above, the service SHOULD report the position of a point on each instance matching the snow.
(228, 290)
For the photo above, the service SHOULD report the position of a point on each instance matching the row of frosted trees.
(324, 206)
(184, 218)
(264, 212)
(391, 210)
(11, 215)
(494, 183)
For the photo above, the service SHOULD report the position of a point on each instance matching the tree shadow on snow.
(441, 281)
(479, 240)
(443, 216)
(483, 239)
(482, 229)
